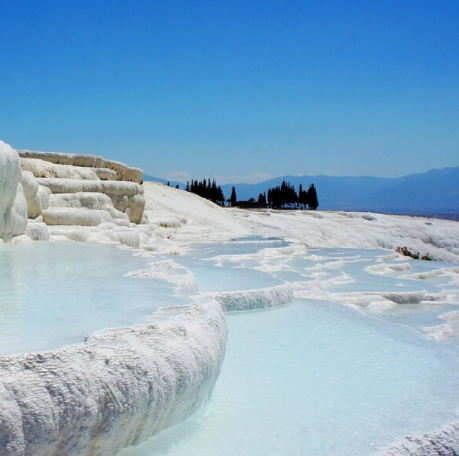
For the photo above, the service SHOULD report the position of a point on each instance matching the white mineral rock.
(13, 205)
(123, 172)
(119, 388)
(126, 197)
(41, 168)
(37, 196)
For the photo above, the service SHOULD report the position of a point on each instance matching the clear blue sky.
(236, 90)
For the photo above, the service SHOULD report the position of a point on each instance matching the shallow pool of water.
(311, 378)
(229, 277)
(240, 246)
(317, 379)
(54, 294)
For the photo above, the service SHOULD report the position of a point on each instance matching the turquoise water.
(228, 277)
(314, 378)
(54, 294)
(310, 378)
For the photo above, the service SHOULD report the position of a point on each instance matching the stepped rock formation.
(69, 197)
(106, 169)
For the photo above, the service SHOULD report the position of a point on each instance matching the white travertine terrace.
(170, 271)
(126, 197)
(123, 385)
(123, 172)
(254, 299)
(63, 200)
(42, 168)
(117, 389)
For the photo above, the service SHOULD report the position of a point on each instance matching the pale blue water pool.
(54, 294)
(316, 379)
(310, 378)
(228, 277)
(241, 246)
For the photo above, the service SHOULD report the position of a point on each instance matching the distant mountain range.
(430, 193)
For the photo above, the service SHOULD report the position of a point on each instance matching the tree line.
(206, 189)
(285, 195)
(281, 196)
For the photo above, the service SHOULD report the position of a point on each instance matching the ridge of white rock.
(126, 197)
(13, 204)
(440, 443)
(117, 389)
(123, 172)
(169, 271)
(37, 196)
(253, 299)
(41, 168)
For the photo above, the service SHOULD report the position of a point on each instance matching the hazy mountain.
(428, 193)
(146, 177)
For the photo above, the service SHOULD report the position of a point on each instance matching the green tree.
(262, 199)
(313, 202)
(233, 197)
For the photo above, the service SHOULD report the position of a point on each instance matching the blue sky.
(236, 90)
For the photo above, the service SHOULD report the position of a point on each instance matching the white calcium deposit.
(13, 205)
(117, 389)
(440, 443)
(254, 299)
(100, 165)
(169, 271)
(123, 385)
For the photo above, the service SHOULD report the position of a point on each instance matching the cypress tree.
(220, 197)
(313, 202)
(262, 199)
(233, 197)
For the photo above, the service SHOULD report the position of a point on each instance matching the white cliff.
(70, 197)
(13, 205)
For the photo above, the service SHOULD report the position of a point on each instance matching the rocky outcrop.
(123, 172)
(13, 204)
(82, 198)
(37, 196)
(125, 197)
